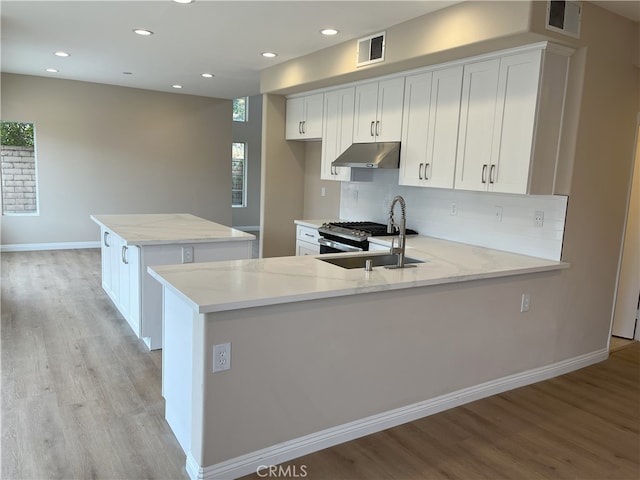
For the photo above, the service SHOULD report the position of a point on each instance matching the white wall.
(113, 150)
(429, 211)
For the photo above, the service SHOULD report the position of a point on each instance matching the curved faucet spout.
(399, 250)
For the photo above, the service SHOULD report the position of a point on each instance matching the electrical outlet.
(498, 213)
(538, 218)
(525, 303)
(221, 357)
(454, 209)
(187, 254)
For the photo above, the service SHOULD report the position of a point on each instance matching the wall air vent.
(564, 17)
(371, 49)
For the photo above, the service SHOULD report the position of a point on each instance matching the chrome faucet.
(402, 229)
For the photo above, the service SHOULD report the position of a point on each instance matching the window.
(240, 109)
(238, 174)
(18, 168)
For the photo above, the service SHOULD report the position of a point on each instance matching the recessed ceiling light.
(61, 54)
(143, 32)
(329, 31)
(269, 54)
(184, 1)
(176, 86)
(51, 70)
(207, 75)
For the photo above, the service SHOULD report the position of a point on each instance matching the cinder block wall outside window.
(18, 165)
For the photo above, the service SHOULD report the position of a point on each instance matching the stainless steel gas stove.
(336, 237)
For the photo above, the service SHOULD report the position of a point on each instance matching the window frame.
(36, 189)
(244, 175)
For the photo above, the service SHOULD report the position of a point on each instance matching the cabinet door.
(124, 289)
(415, 124)
(388, 127)
(304, 248)
(129, 287)
(135, 285)
(515, 121)
(312, 120)
(477, 115)
(115, 243)
(293, 119)
(442, 130)
(337, 132)
(366, 107)
(105, 257)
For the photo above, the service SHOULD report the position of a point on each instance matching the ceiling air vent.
(564, 17)
(371, 49)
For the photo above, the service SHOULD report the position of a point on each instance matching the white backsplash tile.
(476, 222)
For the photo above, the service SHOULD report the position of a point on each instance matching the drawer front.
(307, 234)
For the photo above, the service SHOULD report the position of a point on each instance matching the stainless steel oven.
(338, 237)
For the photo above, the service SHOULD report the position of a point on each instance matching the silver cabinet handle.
(105, 239)
(484, 173)
(371, 129)
(309, 235)
(124, 255)
(491, 172)
(300, 128)
(426, 165)
(377, 128)
(304, 126)
(420, 171)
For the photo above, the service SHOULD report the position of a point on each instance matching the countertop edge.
(262, 302)
(245, 237)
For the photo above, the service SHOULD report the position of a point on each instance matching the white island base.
(321, 355)
(132, 243)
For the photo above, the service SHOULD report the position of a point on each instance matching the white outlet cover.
(221, 357)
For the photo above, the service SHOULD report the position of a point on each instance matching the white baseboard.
(31, 247)
(276, 454)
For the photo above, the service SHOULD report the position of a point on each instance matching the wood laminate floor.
(81, 399)
(80, 394)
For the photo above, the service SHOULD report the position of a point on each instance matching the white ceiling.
(221, 37)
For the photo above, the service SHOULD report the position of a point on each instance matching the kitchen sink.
(359, 261)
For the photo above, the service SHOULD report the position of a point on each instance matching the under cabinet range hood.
(370, 155)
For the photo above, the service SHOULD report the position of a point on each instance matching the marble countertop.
(162, 229)
(314, 223)
(230, 285)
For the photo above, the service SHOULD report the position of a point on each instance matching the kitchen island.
(319, 355)
(132, 243)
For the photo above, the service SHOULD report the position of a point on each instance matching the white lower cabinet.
(135, 293)
(430, 128)
(307, 240)
(337, 132)
(129, 298)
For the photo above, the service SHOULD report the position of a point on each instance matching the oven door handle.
(338, 245)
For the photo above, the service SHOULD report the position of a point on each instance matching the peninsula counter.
(320, 355)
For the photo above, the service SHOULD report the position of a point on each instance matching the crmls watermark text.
(288, 471)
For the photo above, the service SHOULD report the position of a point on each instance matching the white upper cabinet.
(502, 145)
(304, 117)
(337, 131)
(513, 129)
(378, 111)
(430, 128)
(477, 115)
